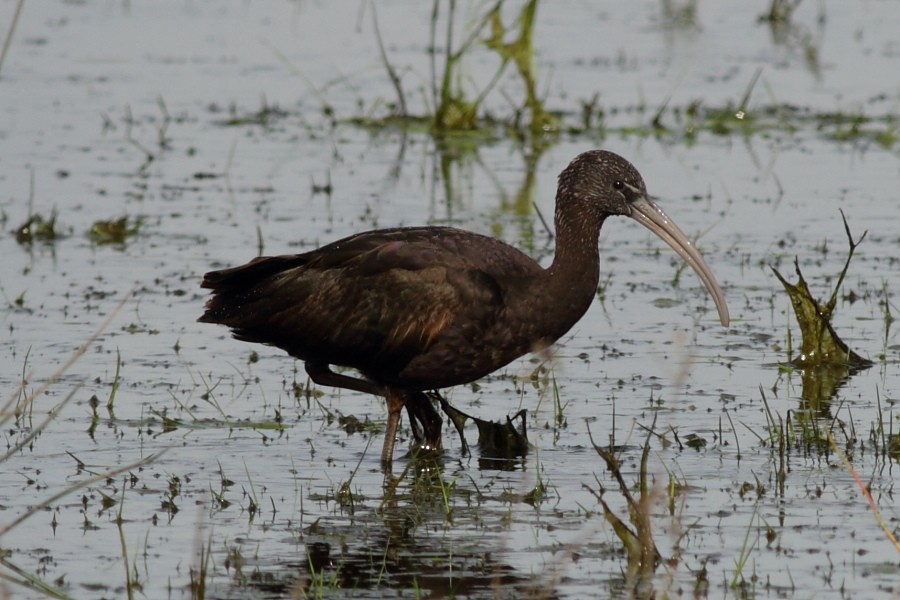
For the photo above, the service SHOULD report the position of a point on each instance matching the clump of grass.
(452, 111)
(94, 401)
(724, 120)
(344, 493)
(200, 573)
(544, 378)
(453, 108)
(38, 228)
(744, 584)
(114, 231)
(637, 540)
(821, 346)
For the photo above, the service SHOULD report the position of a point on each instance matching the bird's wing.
(370, 301)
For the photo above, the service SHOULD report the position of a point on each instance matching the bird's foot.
(424, 421)
(458, 418)
(501, 440)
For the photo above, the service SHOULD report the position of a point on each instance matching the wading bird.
(415, 309)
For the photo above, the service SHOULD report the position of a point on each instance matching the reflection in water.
(391, 559)
(794, 37)
(413, 544)
(820, 385)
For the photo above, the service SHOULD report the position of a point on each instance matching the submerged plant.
(114, 231)
(38, 229)
(821, 346)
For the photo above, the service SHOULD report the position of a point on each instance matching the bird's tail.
(236, 290)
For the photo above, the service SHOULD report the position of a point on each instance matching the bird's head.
(603, 181)
(600, 184)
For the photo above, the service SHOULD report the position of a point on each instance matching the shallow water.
(269, 480)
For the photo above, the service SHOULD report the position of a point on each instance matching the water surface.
(120, 109)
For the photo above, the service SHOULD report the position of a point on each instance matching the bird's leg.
(395, 401)
(424, 421)
(323, 375)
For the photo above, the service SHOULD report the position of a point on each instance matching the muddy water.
(118, 110)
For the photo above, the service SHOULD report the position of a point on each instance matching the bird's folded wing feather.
(374, 299)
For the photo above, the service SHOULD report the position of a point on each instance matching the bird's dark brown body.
(423, 308)
(417, 308)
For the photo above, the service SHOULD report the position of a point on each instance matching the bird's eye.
(618, 184)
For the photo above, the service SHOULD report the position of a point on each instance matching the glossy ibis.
(421, 308)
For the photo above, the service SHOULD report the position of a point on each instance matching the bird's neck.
(572, 279)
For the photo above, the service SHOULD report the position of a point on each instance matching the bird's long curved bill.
(647, 213)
